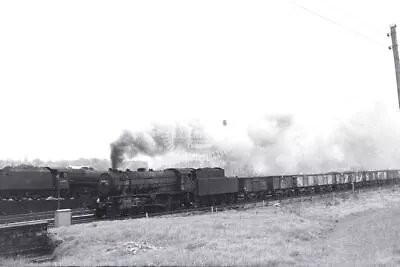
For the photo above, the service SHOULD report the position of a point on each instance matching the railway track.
(77, 215)
(253, 204)
(86, 216)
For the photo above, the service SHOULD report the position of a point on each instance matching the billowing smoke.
(369, 139)
(275, 144)
(159, 140)
(269, 130)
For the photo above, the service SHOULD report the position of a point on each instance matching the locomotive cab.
(105, 185)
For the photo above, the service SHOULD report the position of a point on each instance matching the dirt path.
(365, 239)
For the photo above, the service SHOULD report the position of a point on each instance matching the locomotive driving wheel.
(100, 213)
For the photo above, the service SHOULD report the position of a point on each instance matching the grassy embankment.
(262, 236)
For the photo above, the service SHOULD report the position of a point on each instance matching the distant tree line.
(97, 164)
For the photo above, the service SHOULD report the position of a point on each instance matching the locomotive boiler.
(26, 181)
(19, 185)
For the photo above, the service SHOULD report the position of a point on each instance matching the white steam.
(282, 144)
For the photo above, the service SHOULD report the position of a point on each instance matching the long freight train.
(123, 192)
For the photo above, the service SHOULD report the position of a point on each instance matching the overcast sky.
(74, 74)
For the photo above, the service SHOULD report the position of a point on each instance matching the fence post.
(147, 215)
(212, 209)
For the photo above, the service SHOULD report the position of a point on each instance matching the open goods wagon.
(273, 186)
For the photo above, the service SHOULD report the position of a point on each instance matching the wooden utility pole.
(394, 47)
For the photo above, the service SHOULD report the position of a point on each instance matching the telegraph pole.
(394, 47)
(58, 193)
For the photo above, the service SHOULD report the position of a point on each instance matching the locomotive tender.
(123, 192)
(82, 180)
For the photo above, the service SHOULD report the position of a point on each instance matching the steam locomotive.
(124, 192)
(26, 181)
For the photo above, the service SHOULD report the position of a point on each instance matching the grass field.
(266, 236)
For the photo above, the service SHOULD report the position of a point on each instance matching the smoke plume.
(285, 144)
(159, 140)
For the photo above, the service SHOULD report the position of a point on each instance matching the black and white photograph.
(199, 133)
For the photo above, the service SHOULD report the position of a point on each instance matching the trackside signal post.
(394, 47)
